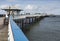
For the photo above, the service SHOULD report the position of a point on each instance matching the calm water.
(48, 29)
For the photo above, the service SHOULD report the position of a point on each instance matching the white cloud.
(31, 7)
(49, 8)
(4, 6)
(17, 6)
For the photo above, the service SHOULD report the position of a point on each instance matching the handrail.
(18, 35)
(10, 33)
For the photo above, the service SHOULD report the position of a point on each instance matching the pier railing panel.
(18, 34)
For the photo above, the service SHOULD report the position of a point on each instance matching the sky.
(33, 6)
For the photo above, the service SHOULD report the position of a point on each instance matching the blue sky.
(33, 6)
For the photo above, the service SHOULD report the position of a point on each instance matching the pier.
(14, 32)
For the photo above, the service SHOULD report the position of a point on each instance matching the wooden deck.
(3, 30)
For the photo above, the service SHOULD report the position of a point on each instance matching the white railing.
(10, 33)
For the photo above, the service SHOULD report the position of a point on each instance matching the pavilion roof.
(12, 8)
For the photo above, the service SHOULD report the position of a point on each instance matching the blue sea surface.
(48, 29)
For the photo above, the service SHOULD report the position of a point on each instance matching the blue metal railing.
(17, 32)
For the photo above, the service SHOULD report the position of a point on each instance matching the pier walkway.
(3, 30)
(25, 16)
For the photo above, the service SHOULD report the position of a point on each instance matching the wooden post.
(29, 20)
(32, 20)
(22, 24)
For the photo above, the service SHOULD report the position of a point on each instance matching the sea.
(47, 29)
